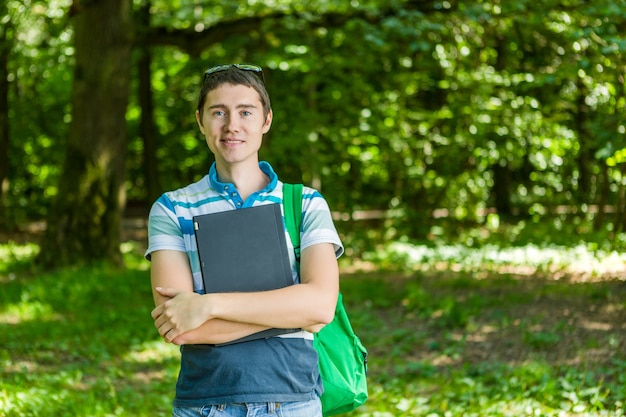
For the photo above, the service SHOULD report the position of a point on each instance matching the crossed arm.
(184, 317)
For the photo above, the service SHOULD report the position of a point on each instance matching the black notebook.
(244, 250)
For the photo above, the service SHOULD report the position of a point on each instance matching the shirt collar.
(225, 187)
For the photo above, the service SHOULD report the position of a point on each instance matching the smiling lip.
(231, 141)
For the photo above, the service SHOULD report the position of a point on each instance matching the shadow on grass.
(445, 341)
(81, 342)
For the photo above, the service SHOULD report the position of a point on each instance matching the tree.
(5, 48)
(84, 223)
(146, 102)
(410, 106)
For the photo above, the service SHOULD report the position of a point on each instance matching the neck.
(247, 179)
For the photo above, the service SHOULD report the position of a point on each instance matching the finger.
(164, 329)
(159, 321)
(179, 340)
(168, 292)
(157, 311)
(171, 335)
(163, 325)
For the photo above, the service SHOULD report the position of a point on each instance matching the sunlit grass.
(24, 311)
(11, 252)
(452, 331)
(14, 256)
(153, 350)
(527, 259)
(82, 342)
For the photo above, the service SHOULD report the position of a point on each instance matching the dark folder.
(244, 250)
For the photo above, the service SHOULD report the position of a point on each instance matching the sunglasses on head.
(256, 70)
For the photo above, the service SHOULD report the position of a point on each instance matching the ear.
(199, 120)
(268, 122)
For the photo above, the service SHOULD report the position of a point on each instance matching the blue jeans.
(311, 408)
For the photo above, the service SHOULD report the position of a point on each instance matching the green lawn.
(451, 331)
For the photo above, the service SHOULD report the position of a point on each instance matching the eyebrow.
(239, 106)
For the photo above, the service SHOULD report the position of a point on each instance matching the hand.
(183, 311)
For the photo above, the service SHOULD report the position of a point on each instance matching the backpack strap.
(292, 206)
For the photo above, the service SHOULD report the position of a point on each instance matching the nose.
(231, 125)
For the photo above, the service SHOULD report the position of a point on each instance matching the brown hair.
(234, 76)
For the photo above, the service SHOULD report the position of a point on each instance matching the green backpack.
(342, 356)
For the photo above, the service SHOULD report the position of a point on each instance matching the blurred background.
(473, 154)
(415, 119)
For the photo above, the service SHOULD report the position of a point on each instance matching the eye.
(219, 113)
(246, 113)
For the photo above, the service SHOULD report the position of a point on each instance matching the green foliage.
(541, 340)
(40, 69)
(402, 106)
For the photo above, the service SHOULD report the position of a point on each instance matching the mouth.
(231, 141)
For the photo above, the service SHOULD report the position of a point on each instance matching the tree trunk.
(585, 155)
(5, 48)
(85, 220)
(620, 206)
(502, 176)
(146, 102)
(501, 190)
(603, 195)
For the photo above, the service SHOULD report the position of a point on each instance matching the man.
(272, 376)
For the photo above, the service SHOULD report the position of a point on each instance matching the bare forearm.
(217, 331)
(311, 303)
(298, 306)
(308, 305)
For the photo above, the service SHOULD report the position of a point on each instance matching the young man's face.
(233, 124)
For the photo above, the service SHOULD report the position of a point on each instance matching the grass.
(80, 342)
(451, 331)
(500, 346)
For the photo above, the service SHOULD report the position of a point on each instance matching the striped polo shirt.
(277, 369)
(170, 225)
